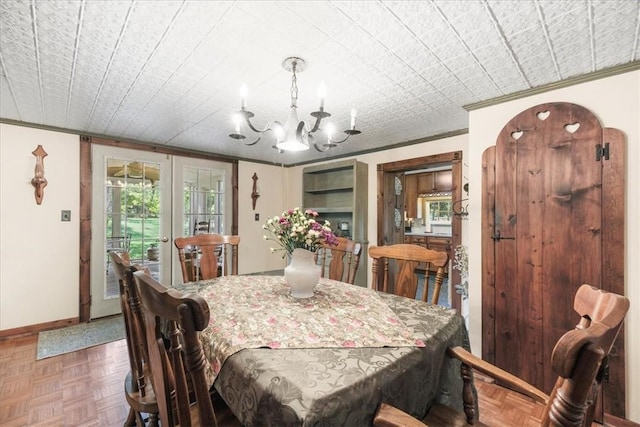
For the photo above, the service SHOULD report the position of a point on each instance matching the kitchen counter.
(428, 234)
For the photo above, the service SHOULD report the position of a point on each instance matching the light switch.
(65, 215)
(257, 217)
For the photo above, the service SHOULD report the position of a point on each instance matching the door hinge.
(602, 151)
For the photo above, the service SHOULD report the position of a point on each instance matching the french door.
(203, 202)
(131, 211)
(141, 202)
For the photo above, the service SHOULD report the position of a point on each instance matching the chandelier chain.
(294, 87)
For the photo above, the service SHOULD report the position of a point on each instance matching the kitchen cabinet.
(435, 182)
(425, 183)
(443, 180)
(338, 192)
(411, 195)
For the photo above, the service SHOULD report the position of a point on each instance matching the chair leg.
(131, 418)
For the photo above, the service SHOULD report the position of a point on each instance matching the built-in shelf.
(338, 192)
(330, 190)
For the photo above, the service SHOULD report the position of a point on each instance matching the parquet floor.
(85, 388)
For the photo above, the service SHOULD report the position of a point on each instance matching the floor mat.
(76, 337)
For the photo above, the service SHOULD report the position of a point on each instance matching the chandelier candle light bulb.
(243, 94)
(322, 92)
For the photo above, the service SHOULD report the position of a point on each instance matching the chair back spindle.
(138, 390)
(207, 256)
(402, 274)
(340, 260)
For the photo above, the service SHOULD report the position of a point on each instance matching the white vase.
(302, 274)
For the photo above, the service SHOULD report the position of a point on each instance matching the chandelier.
(294, 135)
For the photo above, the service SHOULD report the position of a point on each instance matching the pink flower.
(349, 344)
(272, 321)
(356, 323)
(419, 343)
(312, 338)
(273, 344)
(239, 339)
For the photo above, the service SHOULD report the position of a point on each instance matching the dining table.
(327, 360)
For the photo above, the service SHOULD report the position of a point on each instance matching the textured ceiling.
(169, 72)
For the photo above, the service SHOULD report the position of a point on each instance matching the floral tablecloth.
(254, 312)
(338, 383)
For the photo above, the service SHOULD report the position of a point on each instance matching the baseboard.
(610, 420)
(34, 329)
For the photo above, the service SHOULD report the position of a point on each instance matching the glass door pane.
(202, 189)
(127, 217)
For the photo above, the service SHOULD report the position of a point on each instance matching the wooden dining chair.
(137, 385)
(202, 227)
(579, 358)
(405, 279)
(340, 260)
(207, 256)
(178, 366)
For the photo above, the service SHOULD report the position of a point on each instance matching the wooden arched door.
(553, 219)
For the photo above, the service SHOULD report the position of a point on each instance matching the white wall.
(254, 253)
(39, 254)
(616, 102)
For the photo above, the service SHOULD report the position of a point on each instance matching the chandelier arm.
(319, 115)
(322, 148)
(253, 128)
(333, 141)
(316, 125)
(254, 142)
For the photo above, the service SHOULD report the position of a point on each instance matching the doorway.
(131, 199)
(391, 204)
(157, 164)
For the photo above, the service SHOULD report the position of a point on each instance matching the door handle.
(497, 237)
(165, 239)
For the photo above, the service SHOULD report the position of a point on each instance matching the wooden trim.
(161, 149)
(613, 421)
(234, 198)
(613, 201)
(455, 159)
(420, 162)
(585, 78)
(488, 254)
(86, 199)
(34, 329)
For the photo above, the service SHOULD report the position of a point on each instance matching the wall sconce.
(459, 208)
(39, 181)
(254, 191)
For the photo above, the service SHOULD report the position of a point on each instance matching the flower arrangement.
(298, 229)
